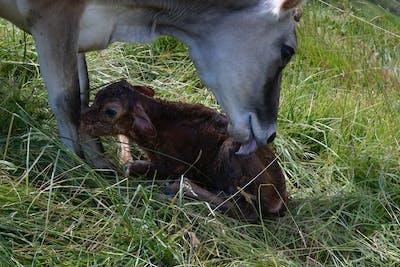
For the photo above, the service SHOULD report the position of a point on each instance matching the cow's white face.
(241, 59)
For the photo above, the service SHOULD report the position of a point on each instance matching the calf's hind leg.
(196, 192)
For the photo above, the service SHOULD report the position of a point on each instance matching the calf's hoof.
(138, 167)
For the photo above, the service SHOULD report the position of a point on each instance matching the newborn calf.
(191, 140)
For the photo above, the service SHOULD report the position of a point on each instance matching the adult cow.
(239, 48)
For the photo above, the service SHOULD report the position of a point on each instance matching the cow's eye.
(111, 113)
(287, 53)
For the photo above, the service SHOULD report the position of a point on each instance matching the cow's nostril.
(271, 138)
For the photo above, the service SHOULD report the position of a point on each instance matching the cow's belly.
(101, 25)
(10, 10)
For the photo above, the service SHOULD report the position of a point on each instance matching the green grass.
(338, 142)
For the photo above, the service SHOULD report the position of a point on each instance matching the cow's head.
(240, 56)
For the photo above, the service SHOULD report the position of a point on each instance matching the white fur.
(102, 25)
(274, 6)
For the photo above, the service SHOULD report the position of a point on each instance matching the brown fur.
(189, 139)
(289, 4)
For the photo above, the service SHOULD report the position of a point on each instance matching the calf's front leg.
(149, 169)
(124, 152)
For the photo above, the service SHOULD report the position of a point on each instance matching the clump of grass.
(338, 143)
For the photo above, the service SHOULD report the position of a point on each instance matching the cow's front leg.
(56, 42)
(91, 146)
(57, 58)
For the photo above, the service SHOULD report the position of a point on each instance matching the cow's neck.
(184, 19)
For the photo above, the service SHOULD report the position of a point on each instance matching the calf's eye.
(111, 113)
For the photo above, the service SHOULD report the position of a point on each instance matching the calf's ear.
(142, 125)
(139, 88)
(145, 90)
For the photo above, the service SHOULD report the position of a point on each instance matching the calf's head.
(118, 109)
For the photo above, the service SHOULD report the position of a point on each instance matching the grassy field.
(338, 141)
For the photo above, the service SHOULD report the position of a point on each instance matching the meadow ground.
(338, 142)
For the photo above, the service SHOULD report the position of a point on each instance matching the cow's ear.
(278, 6)
(291, 4)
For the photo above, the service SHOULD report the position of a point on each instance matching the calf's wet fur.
(190, 140)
